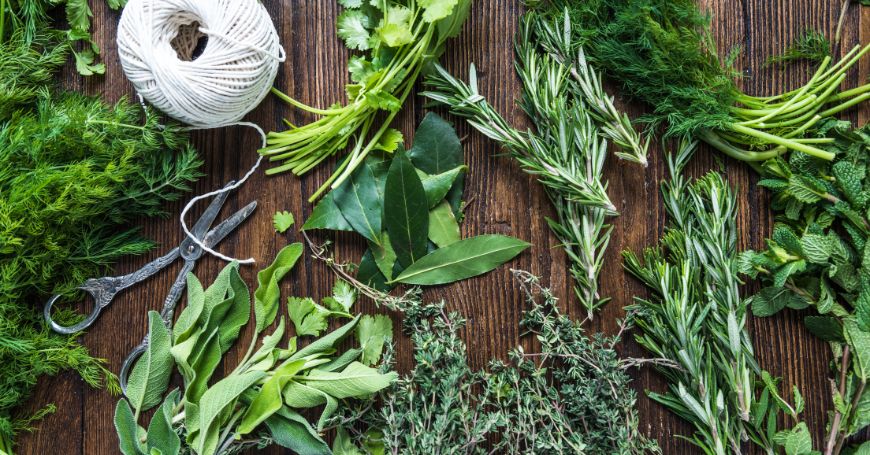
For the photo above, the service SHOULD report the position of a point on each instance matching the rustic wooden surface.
(502, 200)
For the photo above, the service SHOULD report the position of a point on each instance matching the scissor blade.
(228, 225)
(207, 218)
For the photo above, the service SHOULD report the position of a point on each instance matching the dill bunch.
(661, 52)
(573, 397)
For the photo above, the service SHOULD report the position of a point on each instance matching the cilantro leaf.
(282, 221)
(395, 27)
(372, 332)
(434, 10)
(308, 317)
(343, 297)
(353, 28)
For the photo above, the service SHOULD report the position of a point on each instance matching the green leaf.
(463, 259)
(268, 292)
(437, 148)
(372, 333)
(360, 202)
(816, 248)
(268, 400)
(406, 210)
(161, 436)
(343, 297)
(298, 395)
(383, 100)
(356, 380)
(186, 323)
(796, 441)
(827, 328)
(390, 140)
(343, 444)
(395, 27)
(79, 14)
(434, 10)
(127, 429)
(238, 314)
(353, 28)
(438, 185)
(384, 255)
(859, 340)
(308, 317)
(326, 342)
(804, 189)
(214, 402)
(289, 429)
(369, 274)
(150, 375)
(443, 228)
(327, 215)
(282, 221)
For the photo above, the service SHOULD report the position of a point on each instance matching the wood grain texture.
(502, 199)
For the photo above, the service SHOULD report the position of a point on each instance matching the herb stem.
(835, 425)
(772, 138)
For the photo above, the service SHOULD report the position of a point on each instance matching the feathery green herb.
(259, 402)
(697, 320)
(661, 52)
(818, 258)
(401, 38)
(566, 152)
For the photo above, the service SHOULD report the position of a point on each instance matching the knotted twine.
(210, 86)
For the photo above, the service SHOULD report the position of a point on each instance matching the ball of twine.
(206, 63)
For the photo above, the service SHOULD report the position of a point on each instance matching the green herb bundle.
(660, 52)
(696, 320)
(566, 152)
(818, 258)
(401, 38)
(573, 397)
(407, 207)
(259, 402)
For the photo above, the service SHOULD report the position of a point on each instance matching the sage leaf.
(290, 430)
(360, 203)
(351, 355)
(407, 211)
(443, 228)
(215, 400)
(436, 186)
(298, 395)
(162, 438)
(150, 375)
(268, 292)
(355, 380)
(268, 400)
(204, 361)
(127, 429)
(327, 215)
(269, 343)
(186, 323)
(326, 342)
(238, 314)
(372, 333)
(463, 259)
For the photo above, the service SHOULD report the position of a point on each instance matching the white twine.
(228, 79)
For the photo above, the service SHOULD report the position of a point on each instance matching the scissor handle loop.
(127, 366)
(68, 330)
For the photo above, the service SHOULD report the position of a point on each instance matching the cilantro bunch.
(400, 38)
(660, 52)
(819, 259)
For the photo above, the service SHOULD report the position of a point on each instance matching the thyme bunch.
(566, 151)
(696, 318)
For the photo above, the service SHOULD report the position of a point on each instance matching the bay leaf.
(150, 375)
(326, 215)
(384, 255)
(463, 259)
(369, 274)
(436, 146)
(437, 186)
(443, 228)
(360, 203)
(406, 210)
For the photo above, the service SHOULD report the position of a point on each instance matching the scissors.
(103, 290)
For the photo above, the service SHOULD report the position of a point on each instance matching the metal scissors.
(103, 290)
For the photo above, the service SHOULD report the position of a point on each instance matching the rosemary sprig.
(697, 319)
(567, 149)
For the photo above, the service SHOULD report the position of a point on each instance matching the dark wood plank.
(502, 200)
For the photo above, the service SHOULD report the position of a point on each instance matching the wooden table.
(502, 199)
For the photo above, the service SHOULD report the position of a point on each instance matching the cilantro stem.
(306, 107)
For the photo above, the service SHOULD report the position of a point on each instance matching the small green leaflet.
(407, 207)
(434, 10)
(150, 375)
(463, 259)
(309, 318)
(327, 215)
(372, 333)
(796, 441)
(395, 27)
(443, 227)
(282, 221)
(268, 291)
(353, 29)
(343, 297)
